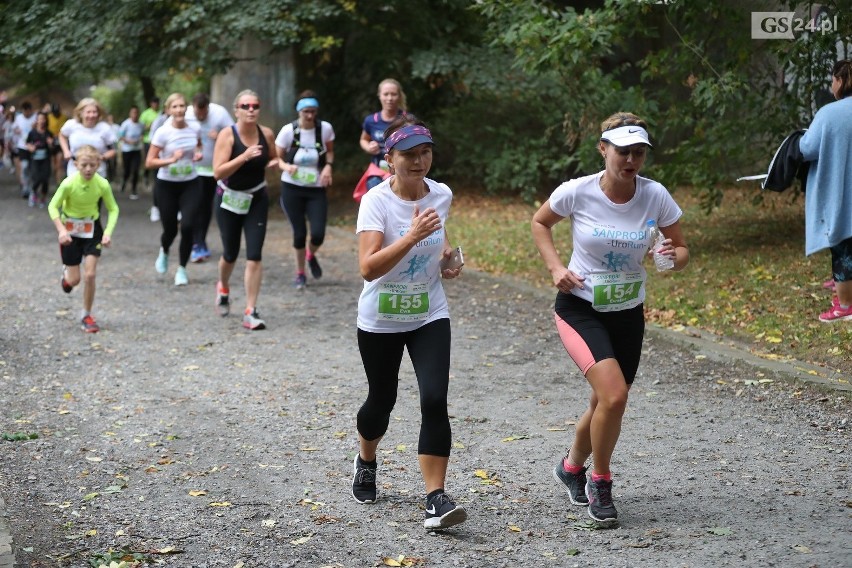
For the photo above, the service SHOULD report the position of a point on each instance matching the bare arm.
(542, 230)
(325, 174)
(153, 160)
(375, 261)
(368, 144)
(675, 245)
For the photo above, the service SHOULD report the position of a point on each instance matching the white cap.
(626, 136)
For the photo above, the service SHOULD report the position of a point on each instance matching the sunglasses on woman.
(250, 106)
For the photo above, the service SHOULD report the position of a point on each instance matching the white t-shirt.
(132, 131)
(100, 136)
(217, 119)
(610, 237)
(416, 275)
(307, 157)
(170, 139)
(22, 127)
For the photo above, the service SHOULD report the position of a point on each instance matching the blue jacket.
(828, 201)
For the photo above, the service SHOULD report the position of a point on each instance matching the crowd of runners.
(205, 162)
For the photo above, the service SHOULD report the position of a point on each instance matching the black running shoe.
(575, 484)
(442, 513)
(363, 481)
(313, 264)
(601, 507)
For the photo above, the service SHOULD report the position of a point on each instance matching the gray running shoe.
(252, 321)
(601, 507)
(575, 484)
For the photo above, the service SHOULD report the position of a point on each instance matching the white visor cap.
(626, 136)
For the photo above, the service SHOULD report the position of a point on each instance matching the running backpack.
(297, 143)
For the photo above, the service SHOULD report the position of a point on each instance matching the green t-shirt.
(147, 118)
(79, 199)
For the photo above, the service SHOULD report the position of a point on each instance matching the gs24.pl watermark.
(785, 25)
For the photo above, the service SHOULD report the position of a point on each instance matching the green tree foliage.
(515, 90)
(718, 101)
(87, 40)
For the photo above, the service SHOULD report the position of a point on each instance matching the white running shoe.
(181, 279)
(162, 262)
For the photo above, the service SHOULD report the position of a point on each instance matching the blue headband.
(309, 102)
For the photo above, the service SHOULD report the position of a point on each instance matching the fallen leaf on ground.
(720, 531)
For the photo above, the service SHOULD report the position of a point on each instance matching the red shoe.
(89, 325)
(828, 284)
(836, 313)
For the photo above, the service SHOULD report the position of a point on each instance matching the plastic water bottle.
(661, 261)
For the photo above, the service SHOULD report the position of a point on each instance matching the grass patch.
(748, 280)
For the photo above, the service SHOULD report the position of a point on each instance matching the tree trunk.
(147, 88)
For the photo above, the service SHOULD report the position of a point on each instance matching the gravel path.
(178, 436)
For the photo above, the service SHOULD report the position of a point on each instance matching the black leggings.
(297, 202)
(429, 349)
(40, 176)
(171, 197)
(232, 225)
(130, 162)
(205, 210)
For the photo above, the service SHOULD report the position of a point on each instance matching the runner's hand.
(423, 225)
(565, 280)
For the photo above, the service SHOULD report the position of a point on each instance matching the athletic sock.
(606, 477)
(571, 468)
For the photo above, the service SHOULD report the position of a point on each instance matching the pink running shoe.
(828, 284)
(836, 313)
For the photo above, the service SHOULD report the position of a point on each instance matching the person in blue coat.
(828, 201)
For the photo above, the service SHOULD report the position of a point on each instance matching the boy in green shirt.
(79, 226)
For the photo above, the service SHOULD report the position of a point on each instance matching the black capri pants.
(429, 349)
(299, 202)
(232, 225)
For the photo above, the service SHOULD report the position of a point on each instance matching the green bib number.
(614, 291)
(237, 202)
(306, 175)
(401, 301)
(180, 168)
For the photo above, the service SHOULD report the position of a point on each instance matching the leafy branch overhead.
(514, 91)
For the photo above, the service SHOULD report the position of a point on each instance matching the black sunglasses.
(249, 106)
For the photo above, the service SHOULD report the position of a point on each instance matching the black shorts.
(590, 336)
(841, 261)
(72, 254)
